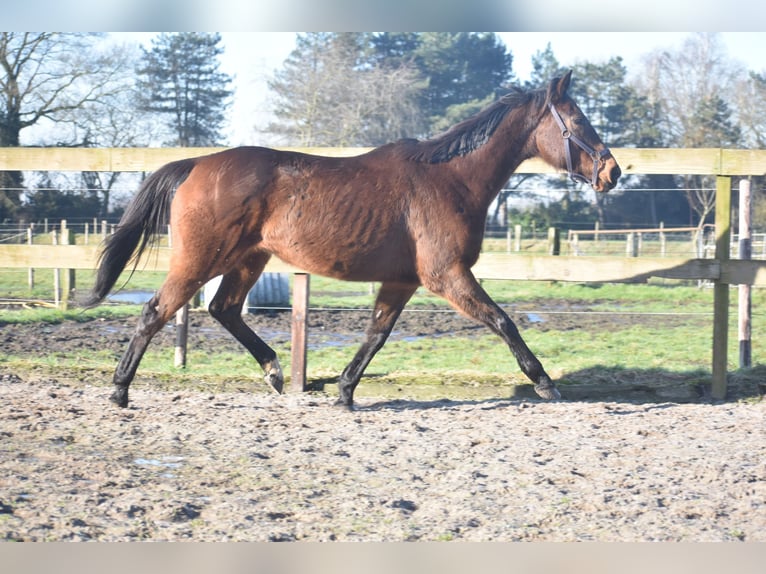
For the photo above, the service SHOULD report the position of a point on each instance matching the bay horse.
(405, 214)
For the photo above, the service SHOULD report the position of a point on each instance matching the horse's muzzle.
(608, 176)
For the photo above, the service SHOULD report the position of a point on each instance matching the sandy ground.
(235, 466)
(188, 464)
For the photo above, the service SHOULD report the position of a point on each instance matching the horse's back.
(339, 217)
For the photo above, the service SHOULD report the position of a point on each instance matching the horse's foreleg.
(389, 303)
(462, 290)
(175, 292)
(226, 308)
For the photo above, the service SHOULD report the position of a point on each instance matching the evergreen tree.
(370, 88)
(716, 127)
(545, 66)
(180, 79)
(332, 91)
(460, 68)
(463, 71)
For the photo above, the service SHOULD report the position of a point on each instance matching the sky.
(252, 57)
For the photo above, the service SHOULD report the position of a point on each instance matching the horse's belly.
(349, 262)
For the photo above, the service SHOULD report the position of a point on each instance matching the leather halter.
(596, 156)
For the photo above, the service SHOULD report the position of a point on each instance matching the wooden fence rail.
(722, 163)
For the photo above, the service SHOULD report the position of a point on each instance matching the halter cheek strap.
(568, 136)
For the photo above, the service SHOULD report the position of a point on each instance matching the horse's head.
(566, 140)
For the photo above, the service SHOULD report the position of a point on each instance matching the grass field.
(613, 348)
(673, 339)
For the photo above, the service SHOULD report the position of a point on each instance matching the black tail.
(142, 221)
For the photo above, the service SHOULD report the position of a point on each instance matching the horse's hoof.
(120, 397)
(548, 391)
(273, 376)
(347, 405)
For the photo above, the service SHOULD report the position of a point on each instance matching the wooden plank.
(743, 162)
(491, 265)
(299, 331)
(122, 159)
(703, 161)
(72, 257)
(86, 257)
(591, 269)
(743, 272)
(721, 289)
(54, 159)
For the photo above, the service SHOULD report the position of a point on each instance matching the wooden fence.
(724, 164)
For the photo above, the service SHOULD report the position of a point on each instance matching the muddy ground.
(188, 464)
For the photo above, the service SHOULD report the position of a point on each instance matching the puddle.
(535, 318)
(133, 297)
(165, 462)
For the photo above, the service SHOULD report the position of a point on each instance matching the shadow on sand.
(594, 384)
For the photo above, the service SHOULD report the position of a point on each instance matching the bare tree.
(692, 86)
(683, 78)
(751, 103)
(115, 120)
(47, 77)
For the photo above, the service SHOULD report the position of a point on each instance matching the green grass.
(652, 350)
(14, 283)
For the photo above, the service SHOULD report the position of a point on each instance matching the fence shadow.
(659, 385)
(605, 384)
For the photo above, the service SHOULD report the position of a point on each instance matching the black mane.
(471, 134)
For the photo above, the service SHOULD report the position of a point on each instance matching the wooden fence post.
(56, 272)
(517, 238)
(182, 336)
(745, 252)
(31, 274)
(69, 281)
(631, 247)
(721, 290)
(554, 241)
(299, 331)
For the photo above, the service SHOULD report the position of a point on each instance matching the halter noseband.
(568, 136)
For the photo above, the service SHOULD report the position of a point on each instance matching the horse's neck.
(487, 169)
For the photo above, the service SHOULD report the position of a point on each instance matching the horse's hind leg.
(390, 301)
(462, 290)
(172, 295)
(226, 307)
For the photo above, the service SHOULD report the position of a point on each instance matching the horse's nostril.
(615, 173)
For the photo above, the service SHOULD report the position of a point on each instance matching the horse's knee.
(149, 312)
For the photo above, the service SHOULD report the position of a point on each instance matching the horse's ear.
(558, 87)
